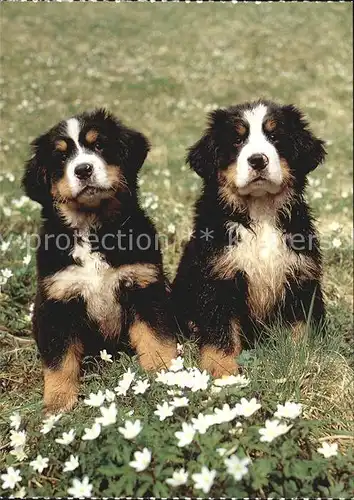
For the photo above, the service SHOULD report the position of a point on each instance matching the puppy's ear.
(132, 150)
(308, 150)
(36, 180)
(202, 156)
(137, 149)
(210, 151)
(132, 147)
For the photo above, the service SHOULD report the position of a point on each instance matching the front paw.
(60, 390)
(158, 358)
(217, 362)
(154, 352)
(59, 402)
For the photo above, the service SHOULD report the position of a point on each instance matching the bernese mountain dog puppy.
(101, 282)
(254, 256)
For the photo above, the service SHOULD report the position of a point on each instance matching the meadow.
(162, 68)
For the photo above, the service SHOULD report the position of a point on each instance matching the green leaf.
(108, 470)
(246, 357)
(143, 489)
(161, 490)
(291, 489)
(260, 470)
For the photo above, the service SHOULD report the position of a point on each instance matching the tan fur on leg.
(217, 362)
(61, 385)
(154, 352)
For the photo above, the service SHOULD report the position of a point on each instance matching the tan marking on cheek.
(227, 188)
(270, 125)
(154, 352)
(91, 136)
(116, 177)
(61, 189)
(287, 175)
(61, 385)
(61, 145)
(229, 174)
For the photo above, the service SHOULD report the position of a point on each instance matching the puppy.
(100, 276)
(254, 257)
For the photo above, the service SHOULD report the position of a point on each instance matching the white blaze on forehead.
(257, 143)
(73, 130)
(255, 118)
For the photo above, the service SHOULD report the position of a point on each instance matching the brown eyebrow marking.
(270, 125)
(240, 128)
(61, 145)
(91, 136)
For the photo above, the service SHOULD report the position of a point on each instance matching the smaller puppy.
(100, 277)
(255, 255)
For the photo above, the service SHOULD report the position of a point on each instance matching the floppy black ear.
(138, 148)
(36, 180)
(132, 146)
(210, 152)
(203, 156)
(308, 150)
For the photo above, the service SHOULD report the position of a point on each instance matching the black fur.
(205, 304)
(57, 324)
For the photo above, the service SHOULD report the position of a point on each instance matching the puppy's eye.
(60, 155)
(273, 137)
(238, 141)
(98, 147)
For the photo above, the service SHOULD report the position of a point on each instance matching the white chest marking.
(265, 259)
(263, 255)
(94, 280)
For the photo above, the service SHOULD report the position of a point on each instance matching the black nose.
(258, 161)
(83, 171)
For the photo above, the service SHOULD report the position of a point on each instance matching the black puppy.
(254, 257)
(100, 274)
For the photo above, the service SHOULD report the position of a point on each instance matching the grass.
(161, 68)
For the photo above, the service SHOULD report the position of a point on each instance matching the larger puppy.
(100, 275)
(254, 257)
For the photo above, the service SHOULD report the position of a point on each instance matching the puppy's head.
(84, 160)
(256, 149)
